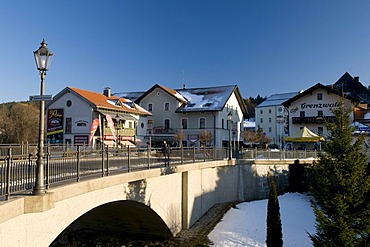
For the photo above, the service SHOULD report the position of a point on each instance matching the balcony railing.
(312, 120)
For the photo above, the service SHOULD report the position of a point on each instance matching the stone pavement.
(197, 234)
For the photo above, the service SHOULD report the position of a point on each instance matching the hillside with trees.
(19, 122)
(251, 104)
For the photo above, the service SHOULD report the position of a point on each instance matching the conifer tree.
(274, 234)
(341, 185)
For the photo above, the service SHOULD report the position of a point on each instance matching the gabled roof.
(352, 86)
(101, 102)
(199, 99)
(277, 99)
(313, 88)
(209, 99)
(171, 92)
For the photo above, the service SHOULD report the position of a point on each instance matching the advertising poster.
(54, 126)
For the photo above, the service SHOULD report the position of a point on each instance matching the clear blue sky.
(264, 47)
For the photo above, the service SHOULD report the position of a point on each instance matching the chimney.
(357, 79)
(106, 92)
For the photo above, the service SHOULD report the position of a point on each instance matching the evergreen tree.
(341, 185)
(274, 236)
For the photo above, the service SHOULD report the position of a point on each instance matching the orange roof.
(113, 103)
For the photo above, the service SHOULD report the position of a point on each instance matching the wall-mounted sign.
(81, 140)
(193, 138)
(319, 105)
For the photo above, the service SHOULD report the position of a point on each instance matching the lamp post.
(230, 117)
(43, 59)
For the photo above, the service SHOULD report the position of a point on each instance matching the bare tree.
(179, 137)
(205, 138)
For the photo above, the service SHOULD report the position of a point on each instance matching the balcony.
(312, 120)
(163, 130)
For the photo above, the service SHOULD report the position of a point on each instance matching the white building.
(72, 111)
(312, 108)
(272, 117)
(191, 113)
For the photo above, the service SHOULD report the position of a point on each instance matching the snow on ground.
(246, 224)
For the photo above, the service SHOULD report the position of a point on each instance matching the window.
(302, 113)
(150, 125)
(150, 107)
(202, 123)
(319, 96)
(261, 111)
(69, 103)
(184, 123)
(270, 129)
(269, 110)
(320, 130)
(68, 125)
(130, 125)
(222, 123)
(166, 124)
(261, 120)
(269, 120)
(166, 106)
(320, 114)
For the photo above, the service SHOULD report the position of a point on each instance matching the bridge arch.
(120, 220)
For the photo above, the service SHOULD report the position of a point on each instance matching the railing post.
(194, 154)
(204, 153)
(78, 163)
(255, 153)
(128, 159)
(102, 159)
(29, 171)
(148, 151)
(47, 167)
(8, 172)
(107, 150)
(182, 154)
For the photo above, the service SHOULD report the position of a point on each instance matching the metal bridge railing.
(69, 164)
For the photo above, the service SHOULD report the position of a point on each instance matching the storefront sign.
(193, 138)
(319, 105)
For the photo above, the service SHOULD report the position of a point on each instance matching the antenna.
(183, 79)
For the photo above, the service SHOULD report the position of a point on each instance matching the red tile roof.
(112, 103)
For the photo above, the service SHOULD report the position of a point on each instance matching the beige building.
(312, 108)
(198, 116)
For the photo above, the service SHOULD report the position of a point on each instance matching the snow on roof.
(129, 95)
(277, 99)
(205, 99)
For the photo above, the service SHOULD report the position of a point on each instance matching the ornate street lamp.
(230, 117)
(43, 59)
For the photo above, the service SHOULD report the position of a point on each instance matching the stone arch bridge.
(160, 201)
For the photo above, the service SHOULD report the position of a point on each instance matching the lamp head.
(43, 57)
